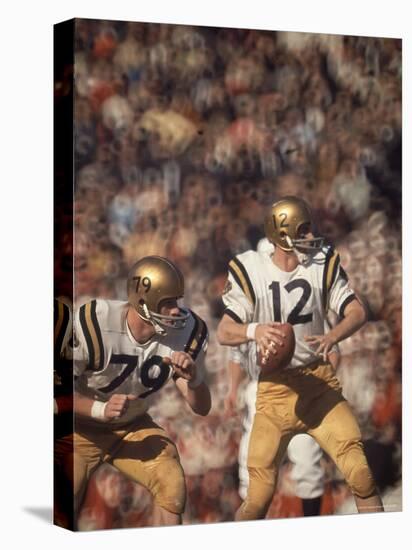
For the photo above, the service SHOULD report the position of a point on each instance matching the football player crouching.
(126, 352)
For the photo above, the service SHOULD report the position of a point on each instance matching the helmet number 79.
(146, 283)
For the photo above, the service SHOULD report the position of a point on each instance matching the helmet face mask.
(306, 241)
(153, 281)
(162, 322)
(289, 226)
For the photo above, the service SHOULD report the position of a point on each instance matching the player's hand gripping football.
(268, 337)
(117, 405)
(183, 365)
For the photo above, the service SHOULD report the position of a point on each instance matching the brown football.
(283, 354)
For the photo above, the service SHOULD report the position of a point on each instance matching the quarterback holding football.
(299, 393)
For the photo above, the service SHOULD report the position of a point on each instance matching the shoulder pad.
(90, 316)
(332, 264)
(239, 271)
(197, 337)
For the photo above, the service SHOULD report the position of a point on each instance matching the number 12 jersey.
(258, 291)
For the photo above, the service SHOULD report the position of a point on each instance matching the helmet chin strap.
(301, 256)
(312, 246)
(158, 328)
(156, 319)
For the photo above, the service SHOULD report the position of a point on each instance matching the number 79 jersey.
(108, 360)
(258, 291)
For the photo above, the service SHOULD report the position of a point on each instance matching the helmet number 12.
(295, 317)
(283, 223)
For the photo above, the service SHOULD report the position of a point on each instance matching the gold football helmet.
(151, 281)
(289, 220)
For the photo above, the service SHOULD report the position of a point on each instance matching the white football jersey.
(108, 360)
(258, 291)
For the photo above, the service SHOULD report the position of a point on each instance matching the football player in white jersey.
(297, 285)
(303, 451)
(126, 352)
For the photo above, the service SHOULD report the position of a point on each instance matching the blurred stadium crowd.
(183, 137)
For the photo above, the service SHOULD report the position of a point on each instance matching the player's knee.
(361, 481)
(259, 460)
(168, 488)
(357, 473)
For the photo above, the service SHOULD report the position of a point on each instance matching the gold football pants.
(303, 400)
(142, 451)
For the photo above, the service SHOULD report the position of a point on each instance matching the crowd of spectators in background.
(183, 137)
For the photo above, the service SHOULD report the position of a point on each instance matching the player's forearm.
(236, 375)
(354, 319)
(230, 333)
(82, 404)
(198, 398)
(92, 408)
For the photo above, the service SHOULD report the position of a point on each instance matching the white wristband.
(98, 409)
(251, 330)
